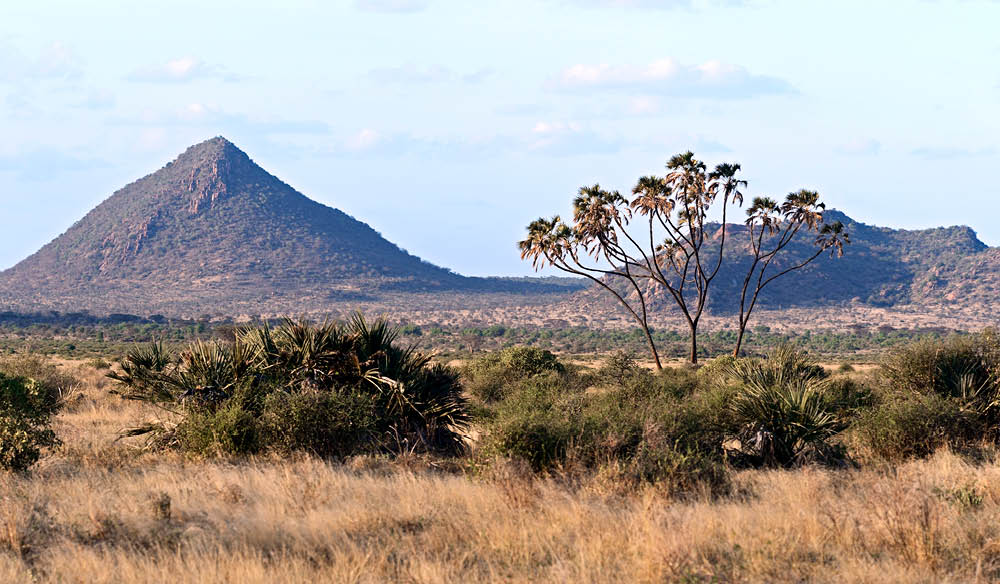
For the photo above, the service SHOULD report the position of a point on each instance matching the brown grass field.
(100, 510)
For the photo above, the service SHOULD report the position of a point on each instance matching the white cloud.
(181, 70)
(391, 6)
(712, 79)
(366, 139)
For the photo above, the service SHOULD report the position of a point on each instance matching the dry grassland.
(101, 511)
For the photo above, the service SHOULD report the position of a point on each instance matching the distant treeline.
(85, 334)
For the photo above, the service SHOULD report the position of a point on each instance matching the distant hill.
(882, 267)
(214, 233)
(214, 228)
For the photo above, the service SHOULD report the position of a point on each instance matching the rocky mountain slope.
(214, 228)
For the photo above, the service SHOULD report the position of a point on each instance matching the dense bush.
(31, 392)
(966, 368)
(330, 389)
(26, 407)
(646, 427)
(913, 425)
(488, 377)
(934, 395)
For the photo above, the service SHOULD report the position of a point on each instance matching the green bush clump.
(914, 425)
(933, 395)
(491, 376)
(26, 407)
(652, 429)
(330, 389)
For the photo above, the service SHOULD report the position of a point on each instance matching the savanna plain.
(528, 466)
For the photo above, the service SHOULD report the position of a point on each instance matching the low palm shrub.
(332, 389)
(783, 410)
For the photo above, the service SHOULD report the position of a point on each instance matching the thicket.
(330, 389)
(685, 427)
(31, 392)
(932, 395)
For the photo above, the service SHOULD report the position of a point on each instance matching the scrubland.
(101, 508)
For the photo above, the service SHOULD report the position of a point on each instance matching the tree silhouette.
(771, 227)
(670, 253)
(661, 240)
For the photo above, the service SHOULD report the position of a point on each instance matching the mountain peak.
(214, 224)
(211, 149)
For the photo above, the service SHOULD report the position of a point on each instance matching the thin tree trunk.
(694, 343)
(739, 339)
(652, 349)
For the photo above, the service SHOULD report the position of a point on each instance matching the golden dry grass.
(99, 511)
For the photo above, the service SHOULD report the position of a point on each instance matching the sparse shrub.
(99, 364)
(618, 368)
(53, 382)
(492, 376)
(845, 368)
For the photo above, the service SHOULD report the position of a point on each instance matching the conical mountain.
(212, 224)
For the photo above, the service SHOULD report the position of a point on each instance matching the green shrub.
(656, 429)
(913, 425)
(26, 407)
(967, 368)
(934, 395)
(228, 429)
(326, 423)
(53, 382)
(492, 376)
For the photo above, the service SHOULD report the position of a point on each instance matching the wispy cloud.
(45, 163)
(652, 4)
(181, 70)
(391, 6)
(951, 153)
(216, 120)
(412, 75)
(668, 77)
(53, 61)
(860, 147)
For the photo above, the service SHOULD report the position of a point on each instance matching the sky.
(448, 125)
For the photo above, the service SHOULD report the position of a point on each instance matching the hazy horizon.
(448, 126)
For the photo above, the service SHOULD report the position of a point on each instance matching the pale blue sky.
(448, 125)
